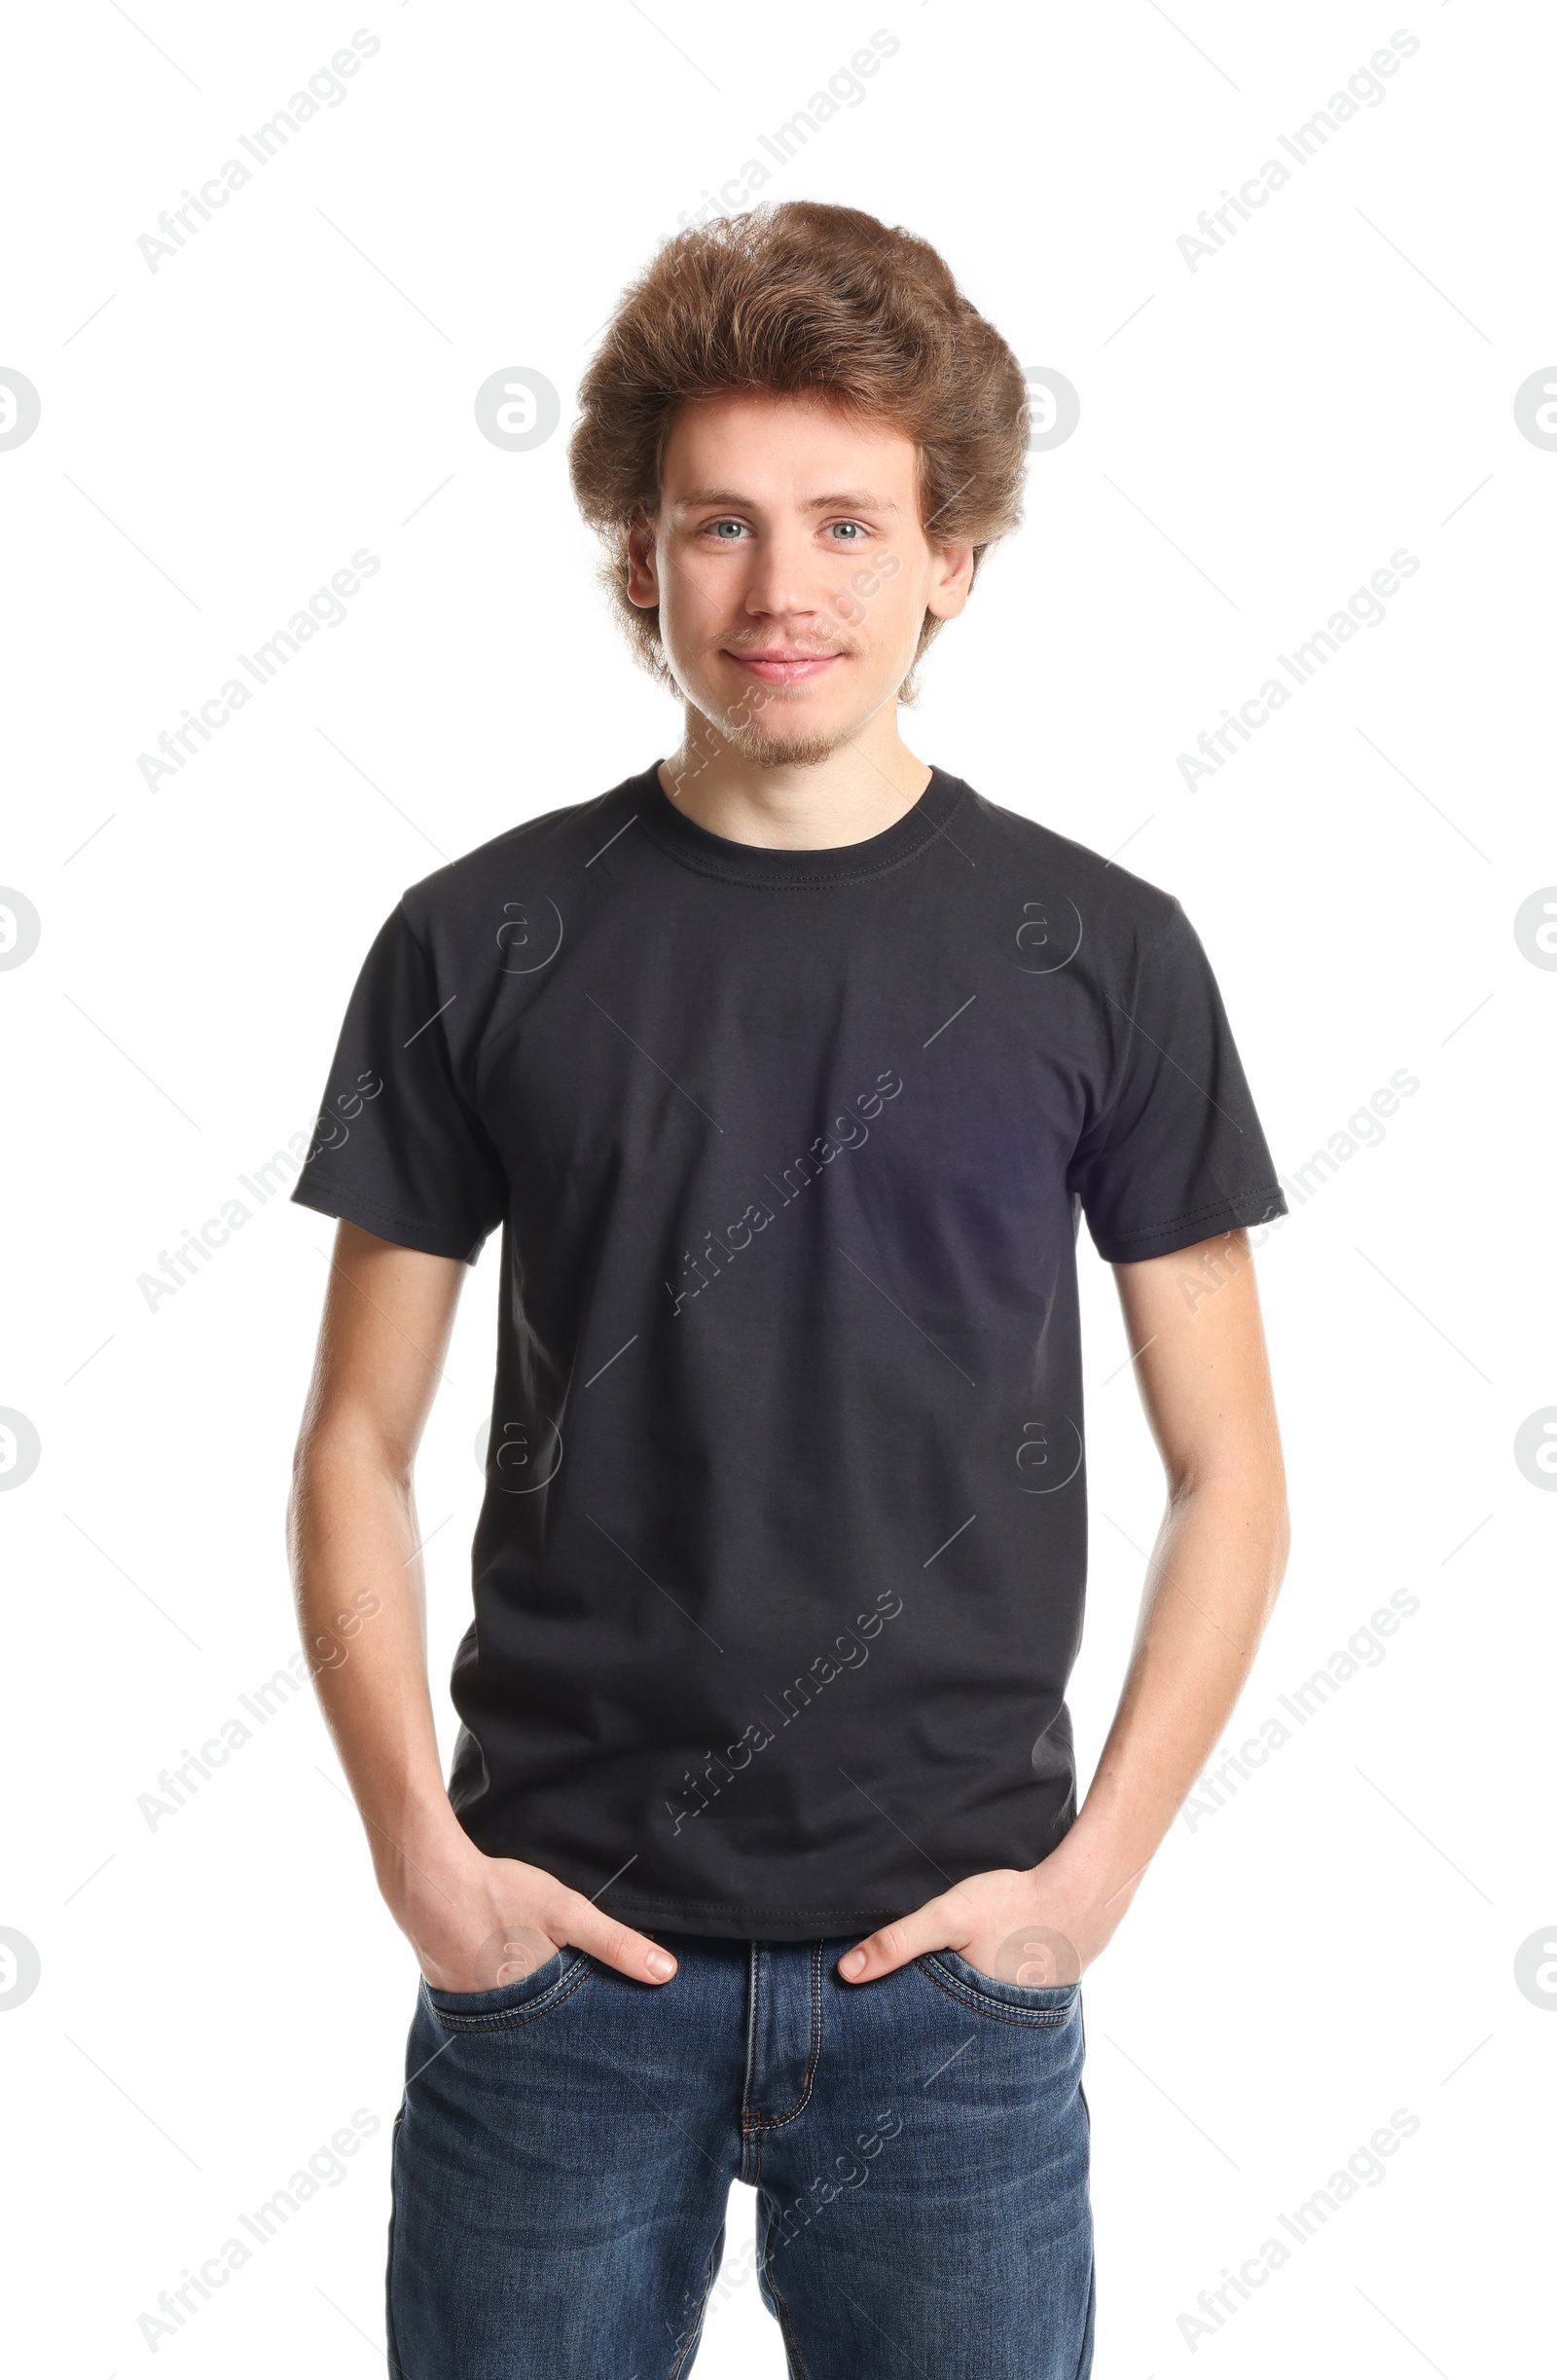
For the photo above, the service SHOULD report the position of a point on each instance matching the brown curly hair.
(801, 298)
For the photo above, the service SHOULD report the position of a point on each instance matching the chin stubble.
(780, 751)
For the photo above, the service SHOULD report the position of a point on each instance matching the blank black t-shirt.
(779, 1574)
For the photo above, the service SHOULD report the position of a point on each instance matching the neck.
(862, 787)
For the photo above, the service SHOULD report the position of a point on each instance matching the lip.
(782, 668)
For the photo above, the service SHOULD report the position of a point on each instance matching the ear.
(643, 568)
(951, 580)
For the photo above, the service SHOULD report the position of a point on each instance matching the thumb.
(614, 1944)
(893, 1946)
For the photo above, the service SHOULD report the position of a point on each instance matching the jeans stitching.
(501, 2019)
(750, 2137)
(1002, 2012)
(774, 2123)
(391, 2345)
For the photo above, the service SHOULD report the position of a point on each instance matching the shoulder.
(535, 856)
(1113, 905)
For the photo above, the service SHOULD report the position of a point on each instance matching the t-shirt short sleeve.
(1178, 1155)
(397, 1148)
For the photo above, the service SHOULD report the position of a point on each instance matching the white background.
(217, 437)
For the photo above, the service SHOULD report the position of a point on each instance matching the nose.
(783, 582)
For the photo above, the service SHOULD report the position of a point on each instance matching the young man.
(788, 1067)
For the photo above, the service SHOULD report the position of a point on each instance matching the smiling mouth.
(782, 668)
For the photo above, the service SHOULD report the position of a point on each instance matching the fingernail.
(660, 1962)
(852, 1963)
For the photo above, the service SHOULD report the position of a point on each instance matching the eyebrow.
(848, 499)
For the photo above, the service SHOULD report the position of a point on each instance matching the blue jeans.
(919, 2145)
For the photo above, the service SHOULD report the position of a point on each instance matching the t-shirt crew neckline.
(717, 855)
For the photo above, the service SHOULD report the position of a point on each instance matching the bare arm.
(1193, 1319)
(1216, 1566)
(356, 1565)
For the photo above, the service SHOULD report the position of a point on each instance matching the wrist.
(1092, 1871)
(427, 1851)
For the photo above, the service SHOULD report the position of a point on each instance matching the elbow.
(344, 1450)
(1281, 1541)
(1252, 1490)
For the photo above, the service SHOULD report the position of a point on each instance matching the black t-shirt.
(778, 1576)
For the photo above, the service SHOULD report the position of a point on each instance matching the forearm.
(1214, 1577)
(357, 1577)
(475, 1920)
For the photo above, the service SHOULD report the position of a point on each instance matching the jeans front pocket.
(519, 2002)
(1014, 2003)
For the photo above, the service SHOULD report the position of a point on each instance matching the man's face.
(791, 571)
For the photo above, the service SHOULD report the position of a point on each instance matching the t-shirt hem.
(1238, 1213)
(403, 1231)
(734, 1920)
